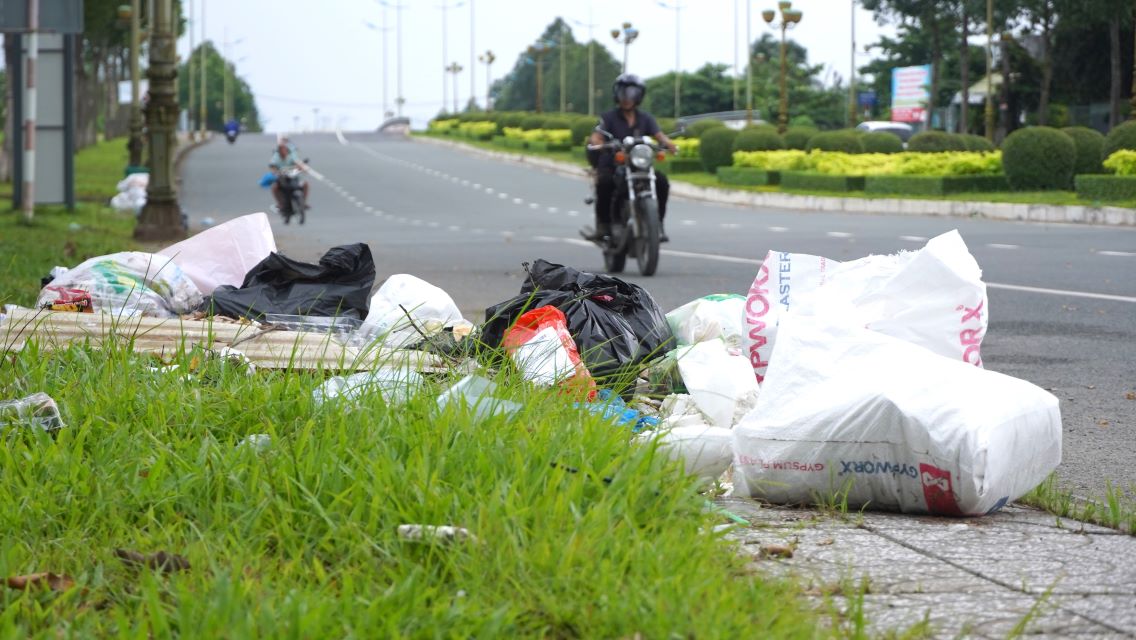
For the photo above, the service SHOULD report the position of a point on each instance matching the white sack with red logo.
(933, 297)
(897, 427)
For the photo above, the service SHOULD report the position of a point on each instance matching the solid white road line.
(995, 245)
(1123, 254)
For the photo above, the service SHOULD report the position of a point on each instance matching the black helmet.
(628, 85)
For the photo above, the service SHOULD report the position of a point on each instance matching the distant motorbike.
(231, 136)
(635, 224)
(291, 186)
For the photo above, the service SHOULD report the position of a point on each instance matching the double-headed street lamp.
(789, 18)
(446, 6)
(455, 69)
(625, 36)
(487, 58)
(398, 8)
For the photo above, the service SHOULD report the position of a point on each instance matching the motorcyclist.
(283, 157)
(232, 128)
(625, 120)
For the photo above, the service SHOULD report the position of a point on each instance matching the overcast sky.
(302, 55)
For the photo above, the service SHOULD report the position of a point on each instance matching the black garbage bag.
(616, 325)
(340, 285)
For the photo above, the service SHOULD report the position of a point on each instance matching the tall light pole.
(789, 18)
(398, 8)
(563, 55)
(445, 6)
(227, 93)
(537, 52)
(852, 73)
(737, 72)
(191, 25)
(202, 113)
(990, 70)
(383, 30)
(677, 8)
(749, 67)
(160, 218)
(625, 36)
(488, 59)
(455, 69)
(472, 60)
(135, 145)
(591, 63)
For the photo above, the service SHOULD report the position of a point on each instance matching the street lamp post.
(488, 59)
(591, 63)
(749, 66)
(852, 73)
(563, 55)
(227, 98)
(455, 69)
(537, 51)
(398, 7)
(677, 97)
(990, 70)
(160, 218)
(135, 145)
(202, 113)
(191, 26)
(625, 36)
(789, 18)
(445, 6)
(383, 30)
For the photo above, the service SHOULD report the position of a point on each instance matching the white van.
(901, 129)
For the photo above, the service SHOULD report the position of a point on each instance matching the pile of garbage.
(131, 196)
(859, 379)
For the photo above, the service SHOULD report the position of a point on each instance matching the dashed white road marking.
(518, 201)
(838, 234)
(488, 189)
(553, 210)
(503, 196)
(913, 238)
(995, 245)
(689, 223)
(778, 229)
(730, 225)
(434, 224)
(454, 227)
(1122, 254)
(1061, 292)
(533, 205)
(573, 213)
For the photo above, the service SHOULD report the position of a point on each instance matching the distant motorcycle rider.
(625, 120)
(283, 157)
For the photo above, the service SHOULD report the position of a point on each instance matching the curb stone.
(1075, 214)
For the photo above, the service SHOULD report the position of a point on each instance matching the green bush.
(556, 122)
(512, 119)
(758, 139)
(798, 137)
(935, 142)
(532, 122)
(808, 181)
(1039, 158)
(716, 146)
(1089, 143)
(934, 185)
(667, 125)
(976, 143)
(696, 129)
(1121, 137)
(881, 142)
(747, 176)
(681, 165)
(1105, 187)
(582, 128)
(836, 141)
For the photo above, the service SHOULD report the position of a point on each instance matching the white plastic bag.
(721, 383)
(134, 181)
(705, 451)
(478, 395)
(395, 385)
(429, 308)
(708, 318)
(895, 426)
(933, 297)
(128, 282)
(225, 253)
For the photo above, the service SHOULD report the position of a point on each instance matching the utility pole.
(445, 51)
(678, 76)
(160, 219)
(488, 57)
(789, 18)
(852, 73)
(28, 204)
(202, 113)
(749, 68)
(225, 113)
(591, 62)
(135, 145)
(455, 69)
(472, 62)
(990, 70)
(629, 34)
(737, 71)
(191, 25)
(563, 61)
(537, 52)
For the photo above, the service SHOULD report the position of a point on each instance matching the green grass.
(299, 540)
(1116, 509)
(28, 252)
(98, 168)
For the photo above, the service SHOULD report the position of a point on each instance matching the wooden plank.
(265, 347)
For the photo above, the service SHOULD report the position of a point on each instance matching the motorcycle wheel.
(614, 261)
(647, 235)
(297, 204)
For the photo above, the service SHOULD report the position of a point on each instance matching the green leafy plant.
(798, 137)
(935, 142)
(1039, 158)
(844, 141)
(697, 128)
(881, 142)
(1120, 137)
(717, 148)
(1121, 163)
(1089, 144)
(758, 139)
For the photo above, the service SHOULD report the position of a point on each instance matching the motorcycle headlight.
(642, 156)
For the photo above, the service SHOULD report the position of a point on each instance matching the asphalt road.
(1062, 297)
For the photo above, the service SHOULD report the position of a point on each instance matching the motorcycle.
(231, 136)
(635, 224)
(292, 189)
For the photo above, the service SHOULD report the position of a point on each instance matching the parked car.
(901, 129)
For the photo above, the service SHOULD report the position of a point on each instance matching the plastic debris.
(477, 394)
(612, 407)
(396, 386)
(434, 533)
(37, 410)
(545, 353)
(258, 442)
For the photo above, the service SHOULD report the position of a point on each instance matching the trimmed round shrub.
(667, 125)
(1039, 158)
(798, 137)
(716, 148)
(976, 143)
(696, 129)
(513, 119)
(582, 128)
(1121, 137)
(556, 122)
(529, 123)
(934, 142)
(758, 139)
(881, 142)
(1089, 143)
(836, 141)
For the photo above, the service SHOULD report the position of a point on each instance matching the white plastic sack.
(225, 253)
(131, 200)
(134, 181)
(708, 318)
(933, 297)
(721, 383)
(844, 408)
(478, 395)
(395, 385)
(430, 310)
(129, 282)
(705, 451)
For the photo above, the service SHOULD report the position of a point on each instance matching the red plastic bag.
(544, 351)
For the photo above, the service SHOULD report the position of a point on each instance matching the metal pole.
(472, 61)
(203, 112)
(488, 83)
(591, 68)
(749, 67)
(625, 45)
(160, 219)
(783, 116)
(225, 114)
(563, 75)
(135, 144)
(540, 82)
(445, 56)
(737, 72)
(852, 73)
(28, 204)
(398, 45)
(678, 74)
(386, 108)
(191, 24)
(990, 70)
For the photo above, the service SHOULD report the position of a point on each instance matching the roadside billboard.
(910, 93)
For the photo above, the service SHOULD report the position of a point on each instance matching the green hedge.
(716, 148)
(1089, 143)
(532, 122)
(1106, 187)
(582, 128)
(934, 185)
(697, 128)
(845, 141)
(681, 165)
(1121, 137)
(935, 142)
(748, 176)
(763, 138)
(976, 143)
(881, 142)
(810, 181)
(798, 137)
(1039, 158)
(543, 145)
